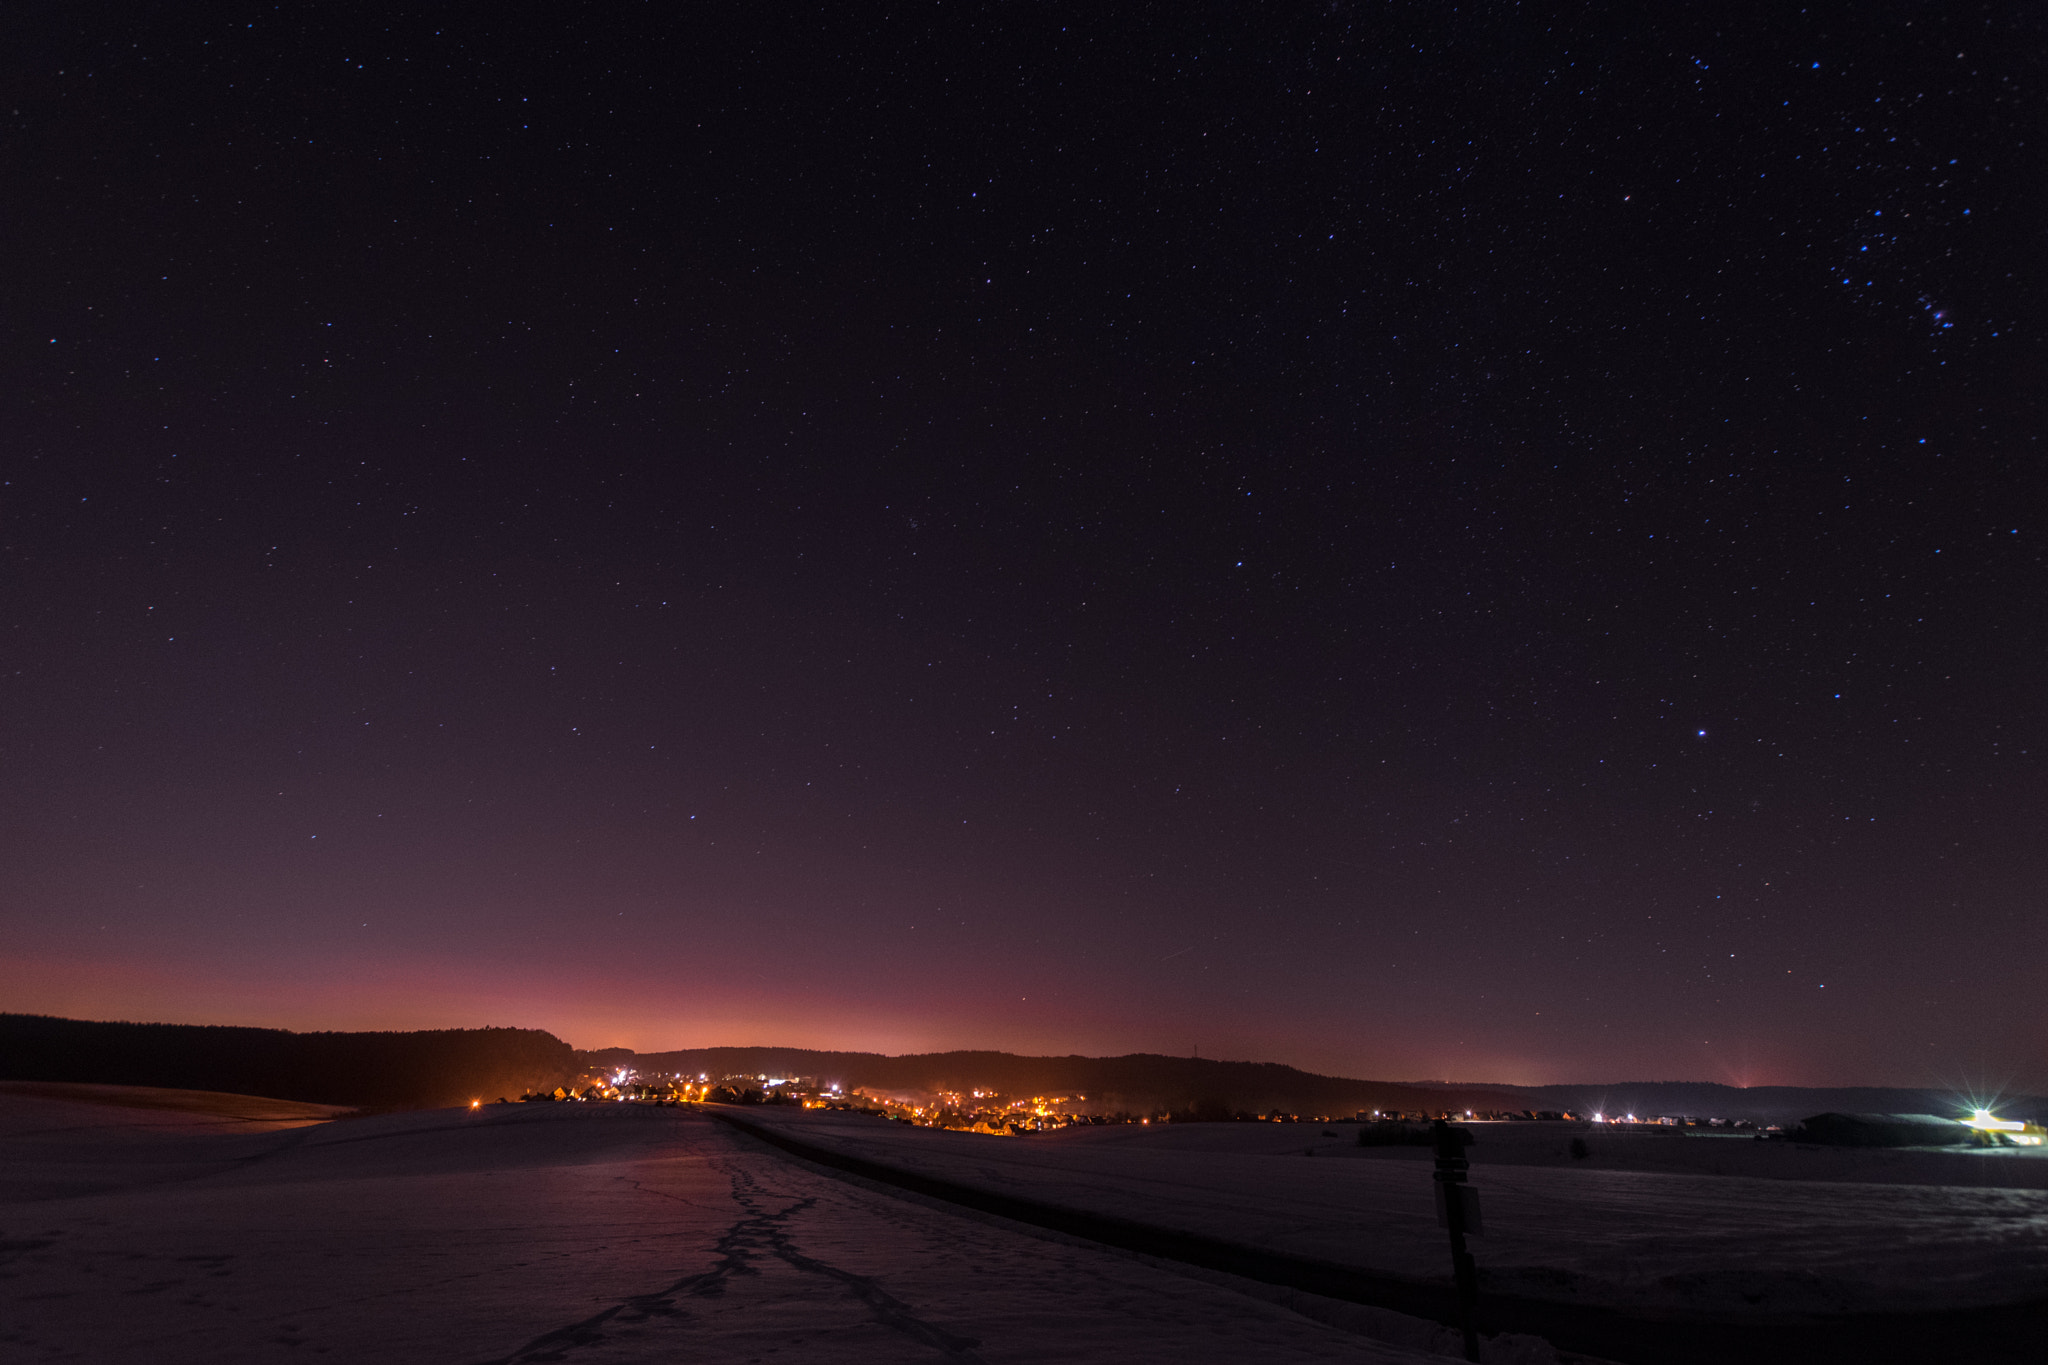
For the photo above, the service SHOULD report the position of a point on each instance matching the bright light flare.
(2014, 1131)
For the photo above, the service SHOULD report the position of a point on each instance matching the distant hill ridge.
(452, 1066)
(1150, 1080)
(421, 1070)
(1136, 1082)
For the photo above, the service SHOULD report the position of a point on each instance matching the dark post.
(1454, 1200)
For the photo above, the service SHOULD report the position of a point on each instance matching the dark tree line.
(370, 1070)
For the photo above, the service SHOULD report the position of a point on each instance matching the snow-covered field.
(1713, 1228)
(586, 1233)
(220, 1230)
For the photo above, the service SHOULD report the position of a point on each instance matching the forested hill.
(1137, 1082)
(371, 1070)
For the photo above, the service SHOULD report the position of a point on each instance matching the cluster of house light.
(993, 1114)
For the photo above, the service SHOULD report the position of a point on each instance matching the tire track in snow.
(738, 1248)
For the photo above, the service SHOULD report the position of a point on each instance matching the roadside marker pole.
(1457, 1208)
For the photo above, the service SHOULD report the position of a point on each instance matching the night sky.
(1502, 544)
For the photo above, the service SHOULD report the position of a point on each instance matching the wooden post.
(1457, 1208)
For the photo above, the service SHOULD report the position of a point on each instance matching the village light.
(2014, 1131)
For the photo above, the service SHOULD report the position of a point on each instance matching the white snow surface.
(1686, 1242)
(586, 1233)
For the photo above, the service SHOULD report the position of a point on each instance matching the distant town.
(989, 1111)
